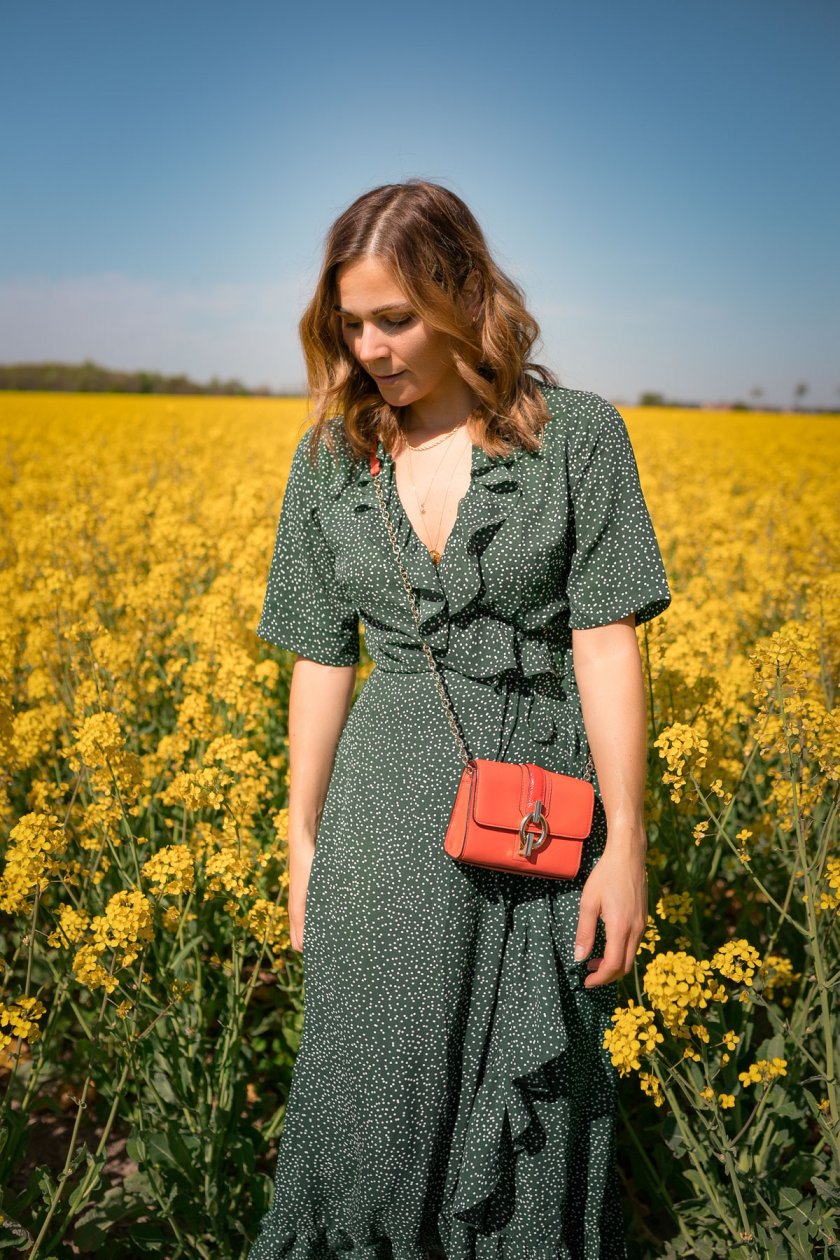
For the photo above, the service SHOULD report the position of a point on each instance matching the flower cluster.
(21, 1019)
(31, 858)
(227, 873)
(71, 927)
(650, 1086)
(198, 789)
(763, 1070)
(99, 746)
(270, 921)
(634, 1033)
(123, 928)
(681, 747)
(737, 960)
(829, 898)
(171, 870)
(675, 982)
(777, 973)
(674, 907)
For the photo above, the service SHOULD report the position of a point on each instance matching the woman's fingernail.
(580, 952)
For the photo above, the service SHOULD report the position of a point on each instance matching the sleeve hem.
(650, 606)
(300, 648)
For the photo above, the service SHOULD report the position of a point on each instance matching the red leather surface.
(492, 799)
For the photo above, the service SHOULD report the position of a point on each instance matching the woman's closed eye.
(391, 323)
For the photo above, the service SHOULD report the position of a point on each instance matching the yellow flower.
(675, 982)
(777, 973)
(201, 789)
(726, 1100)
(763, 1070)
(634, 1033)
(72, 926)
(699, 831)
(680, 746)
(34, 844)
(171, 870)
(829, 896)
(20, 1017)
(674, 907)
(651, 936)
(737, 960)
(650, 1085)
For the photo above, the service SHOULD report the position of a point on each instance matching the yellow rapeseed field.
(147, 988)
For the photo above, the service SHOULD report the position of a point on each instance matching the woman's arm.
(319, 702)
(608, 671)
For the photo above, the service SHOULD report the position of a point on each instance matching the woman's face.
(408, 360)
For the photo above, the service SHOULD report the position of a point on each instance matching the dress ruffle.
(464, 636)
(502, 1179)
(517, 1055)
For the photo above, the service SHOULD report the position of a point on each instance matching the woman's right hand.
(300, 865)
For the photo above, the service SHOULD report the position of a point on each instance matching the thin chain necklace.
(447, 437)
(433, 551)
(427, 446)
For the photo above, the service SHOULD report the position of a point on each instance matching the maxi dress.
(451, 1089)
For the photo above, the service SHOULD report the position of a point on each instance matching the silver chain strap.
(446, 702)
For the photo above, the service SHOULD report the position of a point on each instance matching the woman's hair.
(436, 250)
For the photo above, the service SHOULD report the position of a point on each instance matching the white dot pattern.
(451, 1090)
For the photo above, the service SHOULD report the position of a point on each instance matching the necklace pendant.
(435, 556)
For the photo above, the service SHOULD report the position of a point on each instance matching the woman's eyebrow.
(391, 306)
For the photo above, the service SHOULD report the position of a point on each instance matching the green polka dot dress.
(451, 1090)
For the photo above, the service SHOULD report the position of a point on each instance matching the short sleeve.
(304, 610)
(616, 566)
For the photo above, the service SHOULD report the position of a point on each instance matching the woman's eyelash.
(395, 323)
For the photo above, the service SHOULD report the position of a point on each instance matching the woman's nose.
(372, 345)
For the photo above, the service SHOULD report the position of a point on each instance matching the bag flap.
(503, 791)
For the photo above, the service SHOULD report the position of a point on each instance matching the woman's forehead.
(370, 284)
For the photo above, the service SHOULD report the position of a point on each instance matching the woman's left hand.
(616, 890)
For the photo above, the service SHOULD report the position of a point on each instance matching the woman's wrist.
(626, 832)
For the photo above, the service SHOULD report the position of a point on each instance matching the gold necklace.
(435, 554)
(422, 502)
(427, 446)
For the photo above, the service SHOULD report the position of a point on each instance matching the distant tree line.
(89, 377)
(652, 398)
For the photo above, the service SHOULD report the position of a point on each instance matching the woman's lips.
(392, 377)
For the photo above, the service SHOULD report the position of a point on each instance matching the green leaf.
(95, 1164)
(826, 1190)
(163, 1085)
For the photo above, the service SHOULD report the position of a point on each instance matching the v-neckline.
(474, 449)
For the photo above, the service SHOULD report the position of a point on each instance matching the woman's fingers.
(616, 962)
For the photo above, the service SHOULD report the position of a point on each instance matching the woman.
(451, 1095)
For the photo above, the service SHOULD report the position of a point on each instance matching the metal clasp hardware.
(529, 841)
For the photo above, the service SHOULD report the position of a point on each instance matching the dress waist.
(545, 704)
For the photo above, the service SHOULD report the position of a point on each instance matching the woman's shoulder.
(578, 415)
(332, 464)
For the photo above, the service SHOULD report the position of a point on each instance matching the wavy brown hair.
(436, 250)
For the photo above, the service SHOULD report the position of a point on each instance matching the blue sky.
(661, 178)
